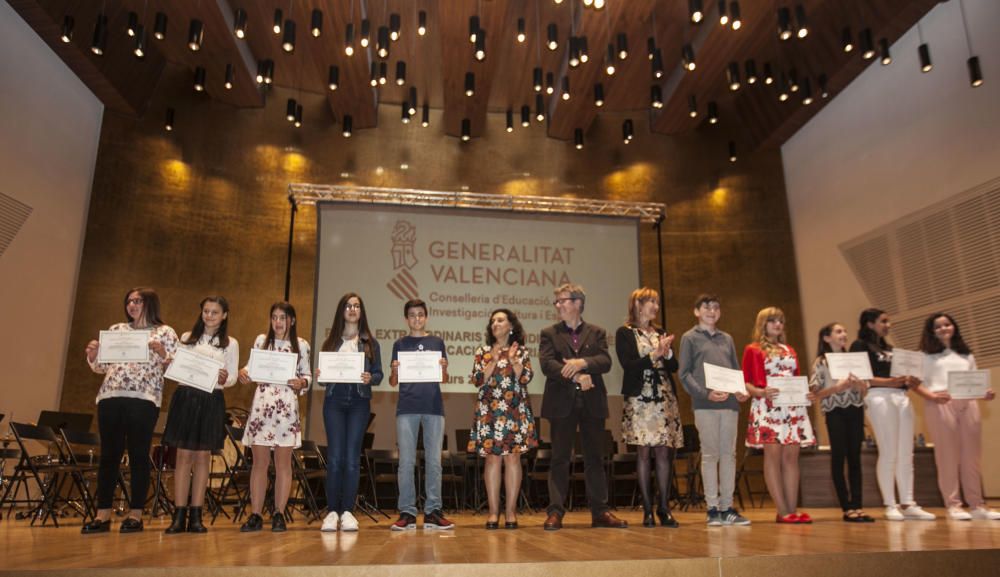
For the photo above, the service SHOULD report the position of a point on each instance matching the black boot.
(194, 521)
(179, 522)
(647, 518)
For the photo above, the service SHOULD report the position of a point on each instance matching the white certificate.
(791, 391)
(907, 364)
(419, 366)
(843, 365)
(272, 367)
(194, 370)
(124, 347)
(724, 380)
(968, 384)
(341, 367)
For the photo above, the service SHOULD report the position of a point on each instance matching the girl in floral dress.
(504, 425)
(780, 431)
(274, 420)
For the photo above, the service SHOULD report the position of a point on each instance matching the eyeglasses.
(136, 301)
(352, 307)
(558, 302)
(418, 315)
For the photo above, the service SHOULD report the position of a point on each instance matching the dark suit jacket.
(628, 356)
(554, 349)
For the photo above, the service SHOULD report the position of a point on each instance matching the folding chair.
(82, 450)
(308, 467)
(237, 476)
(44, 469)
(383, 466)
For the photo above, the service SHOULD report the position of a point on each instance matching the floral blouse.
(137, 380)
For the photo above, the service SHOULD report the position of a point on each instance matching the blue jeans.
(407, 428)
(345, 415)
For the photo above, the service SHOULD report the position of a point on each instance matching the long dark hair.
(291, 333)
(150, 305)
(930, 344)
(222, 336)
(867, 334)
(516, 330)
(336, 336)
(824, 347)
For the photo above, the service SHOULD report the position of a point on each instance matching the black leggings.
(846, 428)
(125, 423)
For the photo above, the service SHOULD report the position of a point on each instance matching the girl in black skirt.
(196, 418)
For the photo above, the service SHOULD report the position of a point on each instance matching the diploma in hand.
(724, 380)
(341, 367)
(419, 366)
(843, 365)
(968, 384)
(194, 370)
(272, 367)
(791, 391)
(124, 347)
(907, 364)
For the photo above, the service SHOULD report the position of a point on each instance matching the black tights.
(664, 456)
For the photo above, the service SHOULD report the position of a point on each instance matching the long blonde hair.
(640, 295)
(760, 330)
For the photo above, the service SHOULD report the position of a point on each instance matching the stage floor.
(827, 547)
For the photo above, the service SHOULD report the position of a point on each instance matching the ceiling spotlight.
(695, 11)
(783, 88)
(628, 132)
(400, 72)
(550, 83)
(553, 32)
(793, 80)
(466, 129)
(867, 44)
(480, 46)
(348, 126)
(609, 61)
(100, 40)
(723, 15)
(404, 113)
(846, 39)
(133, 24)
(334, 78)
(768, 74)
(574, 52)
(800, 19)
(288, 38)
(521, 36)
(883, 46)
(807, 93)
(539, 108)
(656, 96)
(349, 39)
(196, 35)
(168, 124)
(382, 41)
(692, 106)
(650, 47)
(822, 82)
(713, 112)
(733, 76)
(525, 116)
(199, 79)
(750, 67)
(383, 73)
(657, 64)
(140, 42)
(584, 53)
(67, 29)
(622, 46)
(578, 138)
(975, 72)
(784, 23)
(395, 22)
(470, 83)
(373, 75)
(536, 76)
(598, 95)
(366, 33)
(290, 109)
(734, 11)
(278, 19)
(473, 28)
(598, 4)
(413, 100)
(565, 87)
(297, 121)
(260, 72)
(160, 26)
(268, 71)
(239, 23)
(687, 57)
(924, 52)
(510, 120)
(316, 27)
(422, 22)
(425, 115)
(230, 77)
(732, 151)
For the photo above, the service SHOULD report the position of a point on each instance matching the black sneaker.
(714, 518)
(130, 525)
(406, 522)
(732, 517)
(278, 523)
(253, 523)
(435, 520)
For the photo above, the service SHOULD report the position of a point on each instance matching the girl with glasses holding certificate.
(274, 419)
(196, 418)
(954, 424)
(128, 405)
(779, 430)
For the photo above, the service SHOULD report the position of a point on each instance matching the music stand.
(58, 420)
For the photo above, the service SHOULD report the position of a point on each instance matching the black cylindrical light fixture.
(609, 61)
(695, 11)
(347, 123)
(578, 138)
(382, 41)
(793, 80)
(199, 79)
(413, 101)
(924, 52)
(735, 18)
(400, 72)
(422, 22)
(521, 26)
(657, 64)
(240, 23)
(732, 151)
(768, 74)
(510, 120)
(806, 90)
(404, 112)
(470, 83)
(800, 20)
(333, 78)
(268, 71)
(230, 77)
(290, 109)
(160, 26)
(395, 23)
(260, 72)
(692, 106)
(650, 47)
(473, 28)
(713, 112)
(598, 95)
(584, 49)
(316, 23)
(687, 57)
(298, 116)
(550, 83)
(656, 96)
(622, 41)
(132, 24)
(733, 76)
(525, 116)
(883, 47)
(975, 72)
(846, 39)
(383, 72)
(288, 38)
(480, 46)
(168, 123)
(349, 39)
(867, 44)
(783, 87)
(553, 36)
(425, 116)
(628, 131)
(784, 23)
(822, 82)
(140, 42)
(196, 34)
(466, 129)
(750, 67)
(67, 29)
(276, 22)
(574, 52)
(539, 108)
(373, 74)
(366, 32)
(536, 76)
(565, 87)
(723, 13)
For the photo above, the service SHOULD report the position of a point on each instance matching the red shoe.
(789, 519)
(804, 518)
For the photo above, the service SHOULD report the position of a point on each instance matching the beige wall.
(49, 131)
(893, 142)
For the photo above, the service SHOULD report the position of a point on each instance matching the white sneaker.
(348, 522)
(330, 522)
(958, 514)
(982, 513)
(915, 513)
(892, 513)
